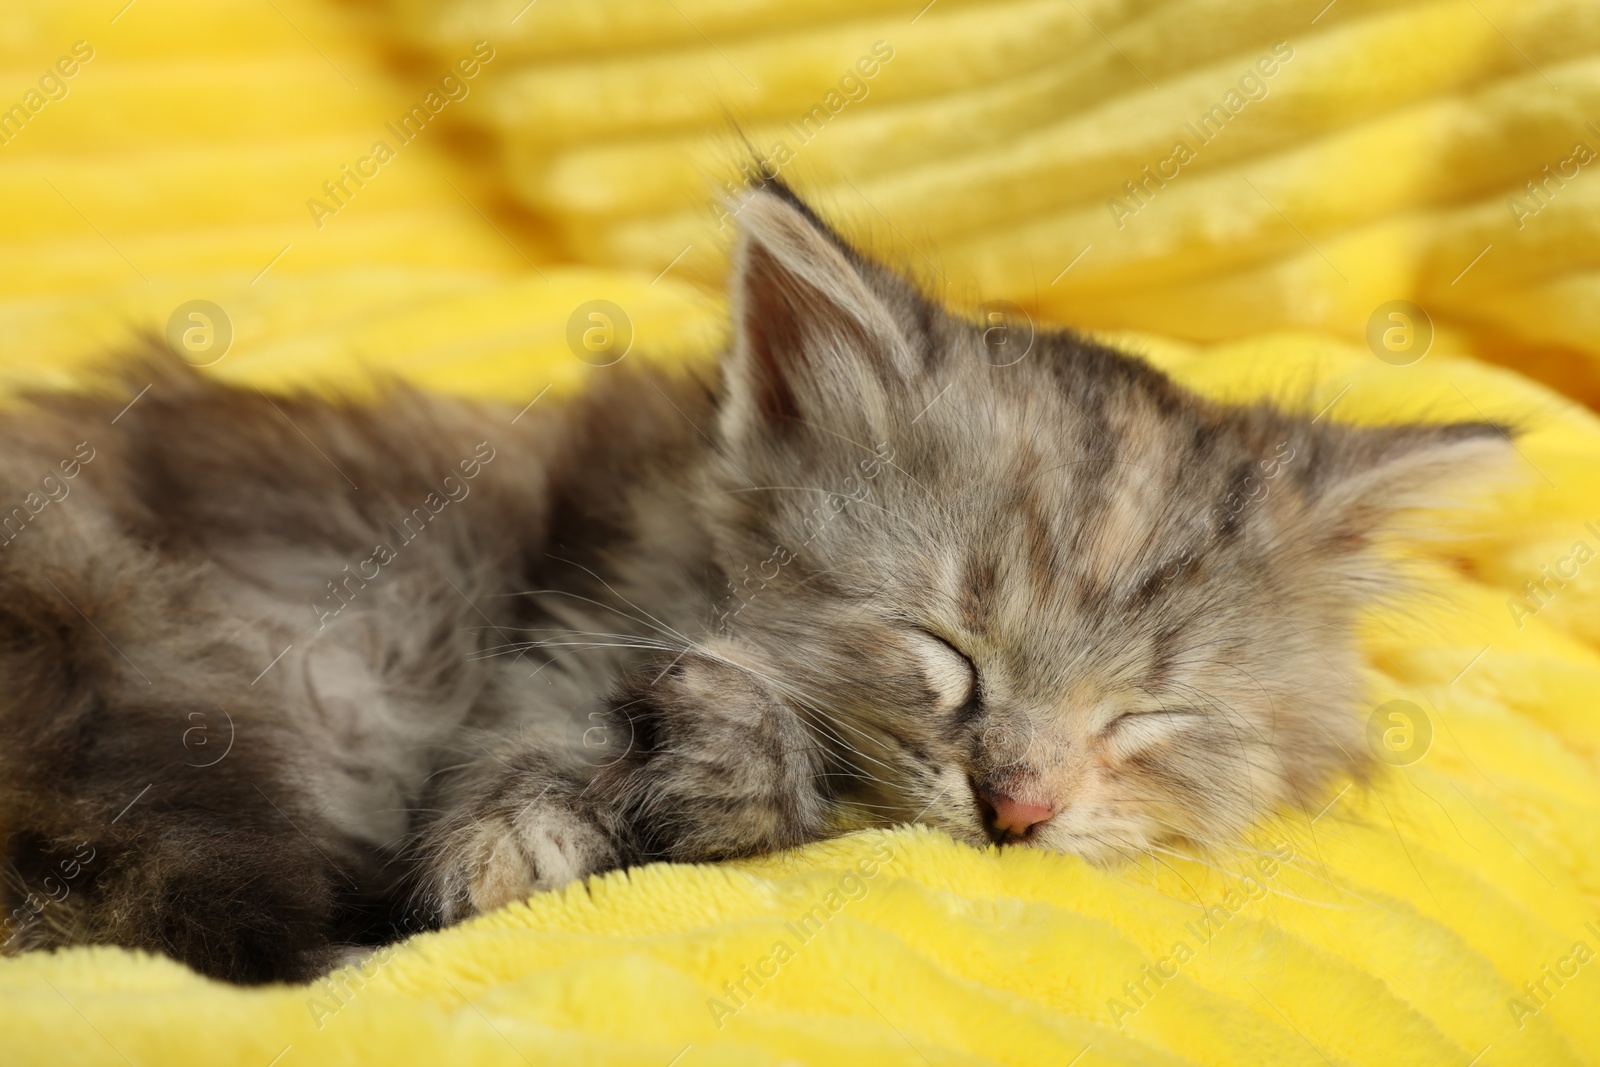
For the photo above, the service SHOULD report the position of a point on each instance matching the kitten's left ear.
(1359, 478)
(812, 342)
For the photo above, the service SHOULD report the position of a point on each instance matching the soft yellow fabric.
(1391, 150)
(1433, 919)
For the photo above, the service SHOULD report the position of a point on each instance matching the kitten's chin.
(1105, 847)
(1092, 850)
(974, 835)
(1096, 853)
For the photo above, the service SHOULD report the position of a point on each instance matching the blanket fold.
(1437, 153)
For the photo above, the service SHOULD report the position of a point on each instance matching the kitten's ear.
(1359, 478)
(812, 342)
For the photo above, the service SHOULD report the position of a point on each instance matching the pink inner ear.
(773, 332)
(814, 340)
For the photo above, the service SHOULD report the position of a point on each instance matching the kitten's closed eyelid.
(1146, 721)
(951, 674)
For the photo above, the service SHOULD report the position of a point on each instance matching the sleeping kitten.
(280, 669)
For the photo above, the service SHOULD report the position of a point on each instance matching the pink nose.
(1013, 819)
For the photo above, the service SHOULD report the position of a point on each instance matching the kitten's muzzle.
(1010, 819)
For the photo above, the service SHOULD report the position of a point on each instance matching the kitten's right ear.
(1361, 477)
(812, 342)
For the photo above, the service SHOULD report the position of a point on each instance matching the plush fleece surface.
(1448, 914)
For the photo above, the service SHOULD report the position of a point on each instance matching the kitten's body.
(213, 529)
(872, 577)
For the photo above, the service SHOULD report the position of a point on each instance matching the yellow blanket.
(1449, 915)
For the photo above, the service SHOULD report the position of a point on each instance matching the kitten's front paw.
(501, 857)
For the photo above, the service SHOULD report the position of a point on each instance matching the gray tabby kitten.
(281, 672)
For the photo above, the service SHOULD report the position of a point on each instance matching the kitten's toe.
(509, 858)
(513, 861)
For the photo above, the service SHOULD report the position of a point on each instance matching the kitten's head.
(1057, 599)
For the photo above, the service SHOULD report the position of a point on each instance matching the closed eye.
(1138, 729)
(951, 676)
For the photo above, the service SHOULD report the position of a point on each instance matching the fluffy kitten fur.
(869, 578)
